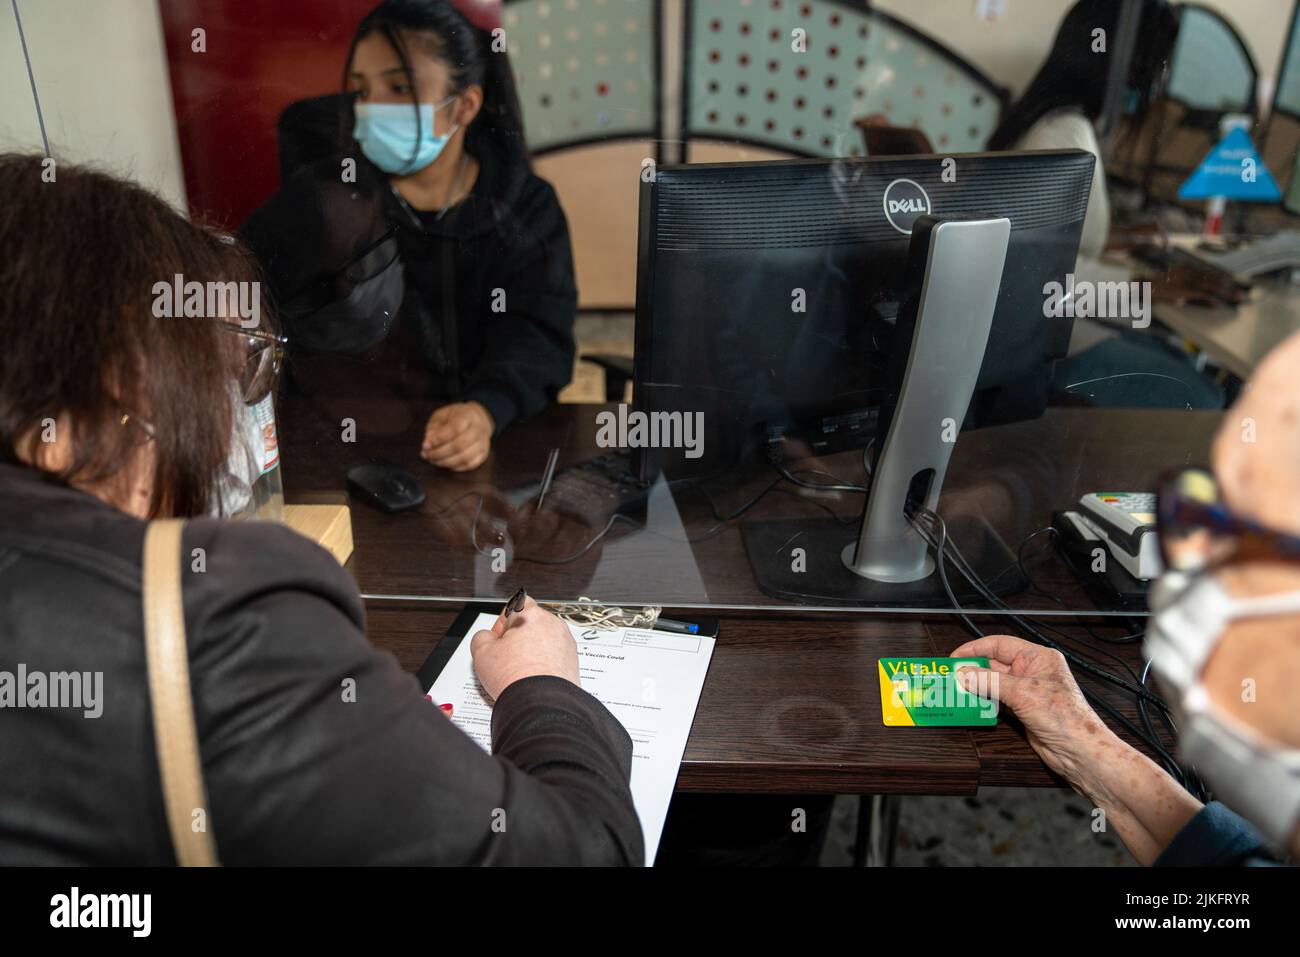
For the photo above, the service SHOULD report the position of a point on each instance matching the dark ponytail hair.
(1074, 76)
(470, 60)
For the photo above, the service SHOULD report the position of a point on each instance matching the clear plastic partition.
(746, 538)
(744, 304)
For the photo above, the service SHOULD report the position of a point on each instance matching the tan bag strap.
(168, 660)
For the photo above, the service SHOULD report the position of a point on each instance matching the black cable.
(1095, 700)
(1190, 779)
(1172, 767)
(473, 540)
(1165, 714)
(972, 578)
(968, 572)
(1029, 626)
(1020, 561)
(720, 525)
(1147, 696)
(1059, 548)
(1144, 714)
(845, 520)
(1066, 558)
(839, 486)
(941, 554)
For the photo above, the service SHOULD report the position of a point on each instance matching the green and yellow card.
(924, 692)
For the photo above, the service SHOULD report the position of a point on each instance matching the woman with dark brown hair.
(314, 746)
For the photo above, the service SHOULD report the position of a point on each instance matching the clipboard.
(620, 662)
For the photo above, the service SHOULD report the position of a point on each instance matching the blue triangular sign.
(1232, 169)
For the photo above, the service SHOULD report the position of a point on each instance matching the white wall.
(101, 72)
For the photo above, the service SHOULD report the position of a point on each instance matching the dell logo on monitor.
(905, 200)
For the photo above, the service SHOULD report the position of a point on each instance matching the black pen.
(547, 476)
(515, 604)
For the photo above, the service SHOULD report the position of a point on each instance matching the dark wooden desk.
(792, 701)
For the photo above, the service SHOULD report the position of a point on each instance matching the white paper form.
(649, 680)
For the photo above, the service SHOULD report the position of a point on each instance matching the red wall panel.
(261, 56)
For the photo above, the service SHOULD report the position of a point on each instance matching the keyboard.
(1268, 254)
(591, 491)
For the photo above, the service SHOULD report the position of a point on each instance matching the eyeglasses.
(1198, 531)
(262, 360)
(144, 426)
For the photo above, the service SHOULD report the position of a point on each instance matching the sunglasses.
(366, 264)
(1198, 531)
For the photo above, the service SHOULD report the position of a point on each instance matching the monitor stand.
(886, 561)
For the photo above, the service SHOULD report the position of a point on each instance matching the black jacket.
(489, 296)
(295, 773)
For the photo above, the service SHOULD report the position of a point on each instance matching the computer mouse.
(387, 487)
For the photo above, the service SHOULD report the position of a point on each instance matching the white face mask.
(243, 465)
(1258, 777)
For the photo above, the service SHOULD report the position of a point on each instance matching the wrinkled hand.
(458, 436)
(1256, 454)
(532, 642)
(1036, 684)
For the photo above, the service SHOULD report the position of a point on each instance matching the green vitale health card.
(923, 692)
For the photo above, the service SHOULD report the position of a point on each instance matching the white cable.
(592, 614)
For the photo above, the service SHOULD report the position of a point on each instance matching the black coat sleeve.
(528, 345)
(318, 748)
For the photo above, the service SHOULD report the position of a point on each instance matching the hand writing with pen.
(525, 641)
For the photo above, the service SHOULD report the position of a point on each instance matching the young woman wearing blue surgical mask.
(444, 270)
(399, 125)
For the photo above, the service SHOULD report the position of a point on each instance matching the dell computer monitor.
(768, 294)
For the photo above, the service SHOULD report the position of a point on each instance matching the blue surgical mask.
(392, 140)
